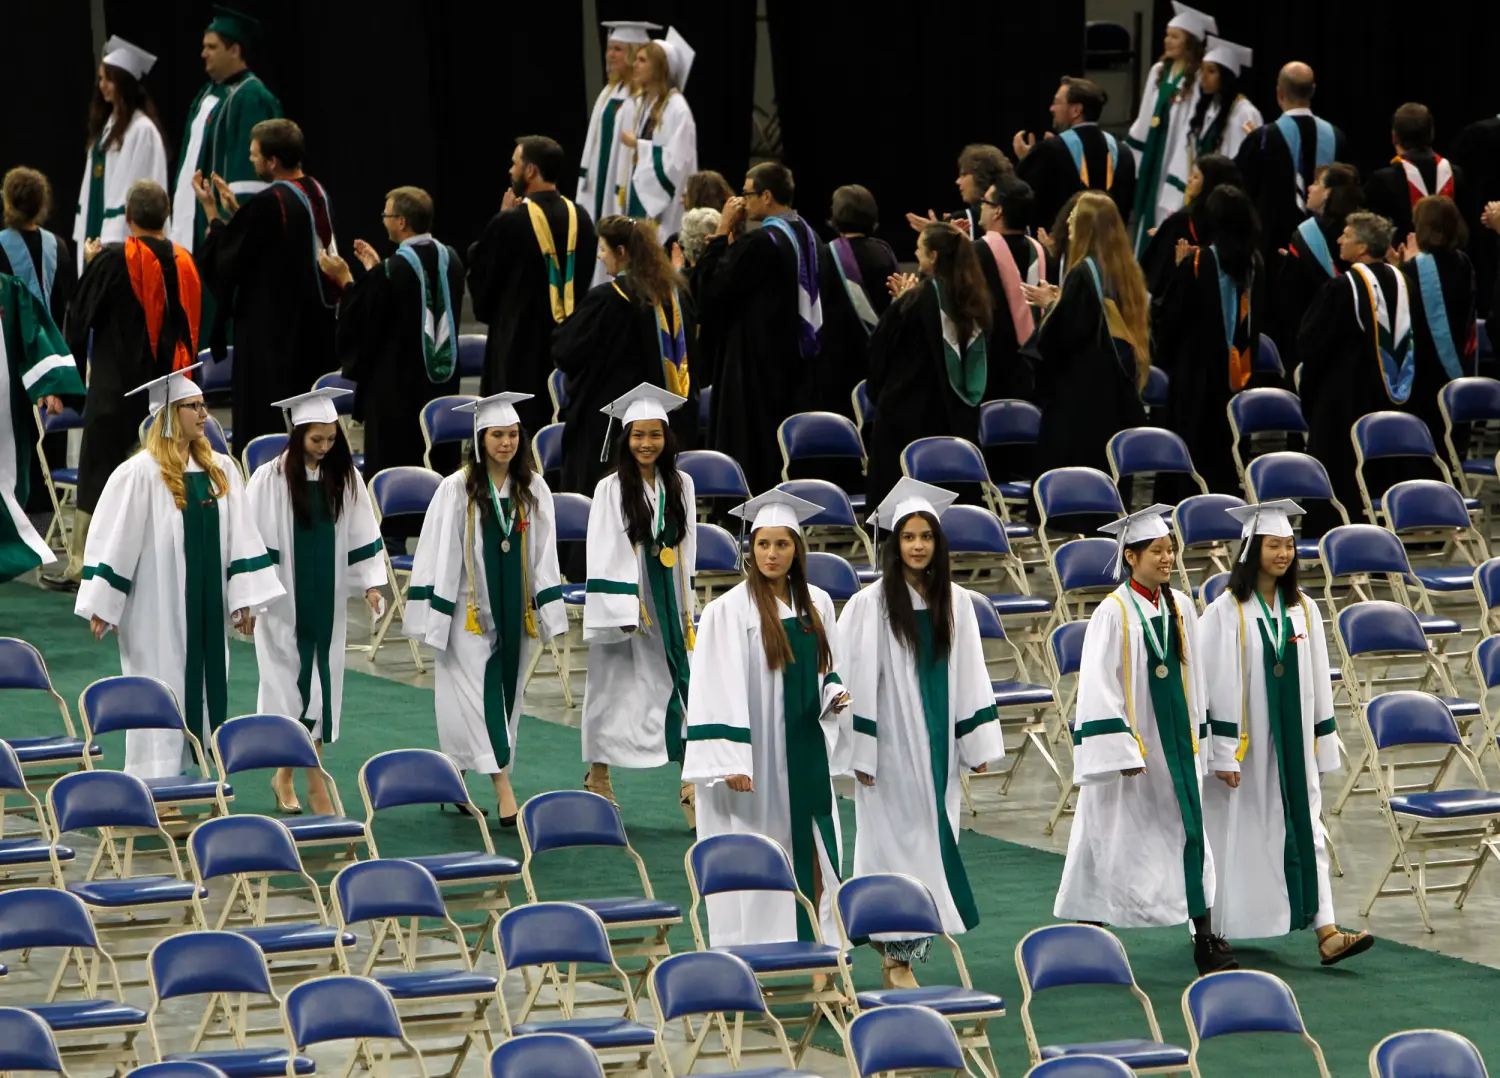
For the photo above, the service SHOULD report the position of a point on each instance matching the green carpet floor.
(1347, 1008)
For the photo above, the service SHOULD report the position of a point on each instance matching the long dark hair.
(939, 596)
(1246, 575)
(1233, 227)
(336, 472)
(956, 269)
(1345, 195)
(132, 98)
(477, 478)
(640, 525)
(650, 275)
(1168, 600)
(1218, 171)
(1229, 89)
(772, 632)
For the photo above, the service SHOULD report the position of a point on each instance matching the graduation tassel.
(471, 623)
(689, 634)
(528, 605)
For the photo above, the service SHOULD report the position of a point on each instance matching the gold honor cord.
(472, 622)
(1187, 692)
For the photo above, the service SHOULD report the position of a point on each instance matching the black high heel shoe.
(465, 810)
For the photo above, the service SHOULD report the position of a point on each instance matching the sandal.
(688, 799)
(602, 786)
(895, 974)
(1353, 943)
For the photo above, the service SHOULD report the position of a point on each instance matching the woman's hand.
(981, 769)
(898, 284)
(243, 620)
(373, 597)
(841, 703)
(99, 626)
(865, 780)
(1228, 778)
(629, 138)
(1184, 248)
(1040, 295)
(740, 784)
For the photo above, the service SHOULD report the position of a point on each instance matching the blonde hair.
(1096, 231)
(161, 443)
(658, 86)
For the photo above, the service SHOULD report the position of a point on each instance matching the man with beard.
(1081, 156)
(263, 265)
(529, 265)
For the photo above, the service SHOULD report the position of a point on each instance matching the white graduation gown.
(437, 614)
(1181, 156)
(1169, 196)
(1125, 853)
(660, 165)
(734, 690)
(599, 168)
(357, 556)
(141, 155)
(630, 684)
(1246, 827)
(135, 578)
(897, 817)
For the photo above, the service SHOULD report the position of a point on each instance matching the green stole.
(932, 678)
(203, 608)
(1284, 714)
(502, 581)
(809, 789)
(1174, 726)
(315, 589)
(669, 624)
(94, 226)
(602, 179)
(1148, 173)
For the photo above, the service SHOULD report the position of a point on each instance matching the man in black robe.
(264, 264)
(397, 335)
(1477, 150)
(1007, 206)
(1393, 191)
(1080, 156)
(140, 303)
(521, 291)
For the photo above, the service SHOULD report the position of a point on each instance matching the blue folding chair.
(1263, 415)
(400, 491)
(1021, 705)
(1391, 436)
(42, 758)
(1080, 1066)
(838, 516)
(217, 436)
(381, 893)
(860, 397)
(26, 860)
(715, 475)
(344, 405)
(981, 558)
(1467, 401)
(1063, 956)
(62, 483)
(1243, 1001)
(221, 966)
(1143, 451)
(943, 461)
(471, 355)
(718, 567)
(1206, 530)
(903, 1040)
(713, 985)
(1072, 491)
(1426, 1053)
(26, 1043)
(1010, 422)
(576, 820)
(1358, 553)
(571, 517)
(1267, 358)
(182, 1069)
(262, 450)
(1425, 512)
(545, 1055)
(818, 436)
(1296, 476)
(405, 777)
(889, 903)
(216, 375)
(1486, 663)
(342, 1008)
(1064, 659)
(834, 575)
(1083, 573)
(546, 448)
(1158, 386)
(1487, 588)
(40, 918)
(442, 425)
(735, 863)
(557, 390)
(1427, 816)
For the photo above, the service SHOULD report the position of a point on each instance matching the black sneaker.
(57, 583)
(1213, 954)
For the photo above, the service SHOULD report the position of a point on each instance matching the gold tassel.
(526, 602)
(645, 617)
(472, 624)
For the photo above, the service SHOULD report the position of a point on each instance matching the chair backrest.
(1158, 385)
(340, 1008)
(1214, 587)
(1203, 518)
(12, 778)
(1067, 646)
(1407, 717)
(229, 845)
(571, 516)
(178, 1068)
(739, 862)
(1487, 583)
(715, 474)
(129, 702)
(344, 404)
(1361, 548)
(813, 435)
(1009, 422)
(833, 574)
(1080, 1066)
(1086, 563)
(1056, 956)
(26, 1043)
(262, 449)
(1287, 475)
(1378, 626)
(837, 512)
(546, 932)
(717, 550)
(200, 963)
(1470, 400)
(214, 432)
(1241, 1001)
(904, 1039)
(1149, 449)
(557, 389)
(1487, 660)
(887, 902)
(258, 742)
(404, 489)
(22, 666)
(567, 819)
(544, 1055)
(861, 400)
(547, 445)
(88, 799)
(44, 917)
(1392, 434)
(943, 460)
(702, 982)
(1268, 357)
(1064, 491)
(990, 625)
(1266, 411)
(471, 354)
(440, 423)
(386, 887)
(1423, 504)
(1427, 1053)
(973, 529)
(411, 777)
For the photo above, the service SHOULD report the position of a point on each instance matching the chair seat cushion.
(29, 851)
(1436, 625)
(312, 828)
(291, 938)
(87, 1014)
(246, 1062)
(1454, 578)
(1481, 466)
(621, 910)
(1019, 531)
(184, 788)
(137, 891)
(782, 957)
(1015, 491)
(573, 594)
(1307, 549)
(38, 750)
(597, 1033)
(1473, 505)
(424, 984)
(469, 865)
(1335, 673)
(1134, 1053)
(1020, 694)
(402, 563)
(945, 999)
(1016, 605)
(1461, 708)
(65, 475)
(1446, 804)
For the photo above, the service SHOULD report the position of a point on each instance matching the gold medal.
(99, 172)
(668, 556)
(1278, 670)
(1161, 670)
(1156, 121)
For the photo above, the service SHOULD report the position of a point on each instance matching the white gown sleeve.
(546, 577)
(976, 726)
(366, 565)
(687, 550)
(664, 162)
(1219, 652)
(718, 709)
(437, 569)
(1234, 129)
(1103, 740)
(612, 601)
(837, 726)
(1141, 126)
(1197, 674)
(252, 580)
(113, 548)
(1326, 743)
(859, 631)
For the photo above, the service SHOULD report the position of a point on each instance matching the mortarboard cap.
(127, 57)
(1138, 527)
(645, 401)
(230, 23)
(679, 57)
(776, 509)
(1192, 21)
(909, 496)
(629, 31)
(169, 389)
(498, 410)
(1264, 518)
(1227, 54)
(314, 407)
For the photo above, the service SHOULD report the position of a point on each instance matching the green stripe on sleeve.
(250, 565)
(661, 173)
(599, 586)
(114, 211)
(965, 727)
(832, 678)
(863, 725)
(1100, 727)
(369, 550)
(549, 595)
(1224, 729)
(108, 575)
(1173, 181)
(713, 731)
(1324, 728)
(274, 555)
(437, 602)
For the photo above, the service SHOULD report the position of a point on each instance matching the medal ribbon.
(1158, 647)
(1277, 630)
(506, 523)
(661, 511)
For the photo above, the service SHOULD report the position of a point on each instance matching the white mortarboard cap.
(1192, 21)
(1265, 518)
(1228, 54)
(629, 31)
(679, 57)
(909, 496)
(314, 407)
(1139, 527)
(498, 410)
(169, 388)
(645, 401)
(777, 509)
(132, 58)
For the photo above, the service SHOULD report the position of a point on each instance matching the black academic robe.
(1477, 149)
(1054, 179)
(1191, 345)
(263, 265)
(1388, 193)
(1159, 259)
(107, 309)
(380, 348)
(1009, 374)
(910, 393)
(1456, 279)
(1295, 284)
(509, 281)
(610, 346)
(876, 263)
(1265, 161)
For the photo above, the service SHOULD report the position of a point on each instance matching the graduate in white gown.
(599, 168)
(315, 517)
(766, 726)
(126, 146)
(661, 138)
(1222, 117)
(485, 591)
(638, 608)
(923, 709)
(173, 558)
(1271, 698)
(1137, 855)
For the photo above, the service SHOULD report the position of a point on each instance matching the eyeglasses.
(987, 202)
(194, 406)
(390, 216)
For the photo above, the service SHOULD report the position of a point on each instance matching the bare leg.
(317, 788)
(284, 788)
(505, 797)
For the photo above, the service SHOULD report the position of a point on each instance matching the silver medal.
(505, 546)
(1161, 670)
